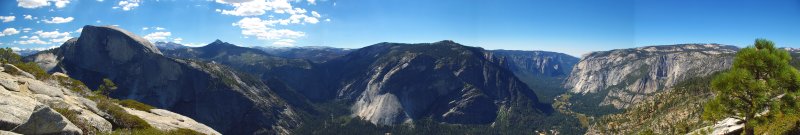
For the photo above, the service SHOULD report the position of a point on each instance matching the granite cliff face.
(543, 71)
(226, 100)
(624, 77)
(392, 83)
(537, 63)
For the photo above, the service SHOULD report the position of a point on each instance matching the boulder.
(14, 109)
(10, 85)
(45, 120)
(38, 87)
(13, 69)
(91, 119)
(166, 120)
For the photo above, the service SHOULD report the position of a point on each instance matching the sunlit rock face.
(391, 83)
(627, 76)
(226, 100)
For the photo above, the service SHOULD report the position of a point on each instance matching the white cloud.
(260, 29)
(61, 39)
(194, 44)
(177, 40)
(61, 3)
(280, 12)
(26, 30)
(79, 30)
(9, 32)
(328, 20)
(284, 42)
(154, 28)
(315, 14)
(7, 18)
(256, 7)
(58, 20)
(51, 34)
(156, 36)
(299, 19)
(32, 40)
(32, 3)
(28, 17)
(41, 3)
(127, 5)
(54, 36)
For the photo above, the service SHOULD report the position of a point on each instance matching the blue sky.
(571, 26)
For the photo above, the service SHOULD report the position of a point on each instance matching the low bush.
(136, 105)
(120, 118)
(72, 84)
(34, 69)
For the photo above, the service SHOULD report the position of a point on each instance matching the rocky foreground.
(61, 105)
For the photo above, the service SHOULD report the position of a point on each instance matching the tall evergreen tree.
(760, 83)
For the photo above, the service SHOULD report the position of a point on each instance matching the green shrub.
(34, 69)
(136, 105)
(72, 84)
(107, 87)
(120, 118)
(8, 56)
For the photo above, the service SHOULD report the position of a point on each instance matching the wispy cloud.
(57, 20)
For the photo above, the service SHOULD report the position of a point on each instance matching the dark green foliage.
(135, 105)
(761, 79)
(33, 69)
(72, 84)
(8, 56)
(118, 116)
(107, 87)
(656, 114)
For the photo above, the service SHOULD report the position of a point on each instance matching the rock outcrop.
(47, 121)
(166, 120)
(393, 83)
(627, 76)
(29, 106)
(226, 100)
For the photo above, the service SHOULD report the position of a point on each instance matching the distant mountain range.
(397, 87)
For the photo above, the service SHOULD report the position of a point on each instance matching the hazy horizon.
(573, 27)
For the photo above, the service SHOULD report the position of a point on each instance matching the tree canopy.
(760, 83)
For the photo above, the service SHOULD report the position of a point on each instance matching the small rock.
(8, 133)
(45, 120)
(10, 85)
(59, 74)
